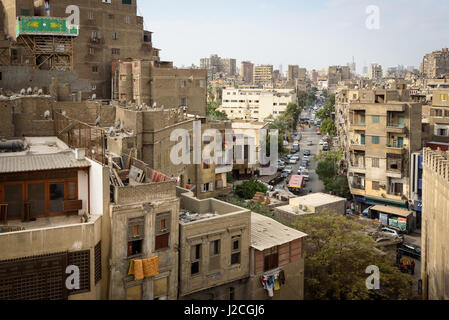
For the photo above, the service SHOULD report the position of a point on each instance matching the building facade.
(263, 75)
(435, 64)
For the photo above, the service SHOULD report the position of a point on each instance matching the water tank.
(12, 146)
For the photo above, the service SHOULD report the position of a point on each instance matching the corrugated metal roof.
(40, 162)
(268, 233)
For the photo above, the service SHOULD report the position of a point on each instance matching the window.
(375, 140)
(97, 255)
(127, 19)
(24, 12)
(444, 98)
(271, 260)
(134, 293)
(195, 259)
(95, 69)
(206, 165)
(160, 288)
(162, 231)
(126, 1)
(214, 255)
(114, 35)
(91, 51)
(95, 35)
(57, 197)
(375, 119)
(231, 293)
(235, 250)
(135, 236)
(375, 162)
(183, 102)
(115, 51)
(90, 15)
(183, 83)
(375, 185)
(207, 187)
(202, 83)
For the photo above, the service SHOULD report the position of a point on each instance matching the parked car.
(391, 232)
(325, 148)
(288, 169)
(296, 157)
(303, 165)
(310, 143)
(307, 153)
(305, 174)
(411, 251)
(293, 161)
(284, 174)
(306, 158)
(276, 180)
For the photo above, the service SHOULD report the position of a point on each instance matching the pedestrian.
(413, 267)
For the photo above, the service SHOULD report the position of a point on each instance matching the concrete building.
(154, 82)
(144, 226)
(435, 252)
(247, 72)
(310, 204)
(297, 77)
(380, 138)
(435, 64)
(439, 116)
(256, 104)
(263, 75)
(375, 72)
(336, 74)
(53, 205)
(215, 65)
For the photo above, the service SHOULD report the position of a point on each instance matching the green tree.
(339, 186)
(328, 127)
(293, 113)
(248, 189)
(337, 253)
(326, 169)
(214, 114)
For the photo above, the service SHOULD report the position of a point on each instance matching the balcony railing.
(395, 145)
(357, 186)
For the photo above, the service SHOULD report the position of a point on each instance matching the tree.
(293, 113)
(214, 114)
(337, 253)
(328, 127)
(326, 169)
(339, 186)
(248, 189)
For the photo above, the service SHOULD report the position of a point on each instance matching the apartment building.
(380, 139)
(215, 65)
(263, 75)
(144, 226)
(227, 252)
(247, 72)
(53, 221)
(434, 240)
(439, 116)
(297, 77)
(336, 74)
(435, 64)
(155, 82)
(375, 72)
(256, 104)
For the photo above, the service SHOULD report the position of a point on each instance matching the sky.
(312, 34)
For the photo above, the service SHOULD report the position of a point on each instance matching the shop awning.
(393, 210)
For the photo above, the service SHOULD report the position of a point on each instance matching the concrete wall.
(435, 223)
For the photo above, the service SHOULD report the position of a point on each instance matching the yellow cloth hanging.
(131, 268)
(136, 268)
(277, 285)
(151, 266)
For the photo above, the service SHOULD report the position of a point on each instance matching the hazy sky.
(312, 34)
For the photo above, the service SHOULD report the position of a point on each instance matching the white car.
(309, 143)
(288, 170)
(293, 161)
(391, 232)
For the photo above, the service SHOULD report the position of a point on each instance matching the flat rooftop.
(316, 199)
(192, 216)
(267, 233)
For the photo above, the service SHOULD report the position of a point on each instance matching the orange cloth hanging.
(151, 266)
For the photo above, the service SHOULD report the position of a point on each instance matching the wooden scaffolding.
(47, 52)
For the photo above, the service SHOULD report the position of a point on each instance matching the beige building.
(434, 243)
(263, 75)
(256, 104)
(436, 64)
(439, 116)
(154, 82)
(336, 74)
(53, 219)
(379, 136)
(310, 204)
(247, 72)
(297, 77)
(375, 72)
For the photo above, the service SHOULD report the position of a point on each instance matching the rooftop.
(316, 199)
(38, 154)
(267, 233)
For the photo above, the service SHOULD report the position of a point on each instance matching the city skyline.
(402, 25)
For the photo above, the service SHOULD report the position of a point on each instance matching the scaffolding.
(47, 52)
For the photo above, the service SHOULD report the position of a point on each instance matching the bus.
(296, 184)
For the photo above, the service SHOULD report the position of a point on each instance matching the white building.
(256, 104)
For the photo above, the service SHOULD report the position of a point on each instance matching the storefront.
(394, 217)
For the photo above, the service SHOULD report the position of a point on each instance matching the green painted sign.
(45, 26)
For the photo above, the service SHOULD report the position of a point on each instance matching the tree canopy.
(337, 253)
(214, 114)
(248, 189)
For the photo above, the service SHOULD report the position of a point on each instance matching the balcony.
(358, 147)
(395, 107)
(357, 190)
(96, 42)
(357, 107)
(396, 128)
(395, 148)
(440, 120)
(223, 168)
(360, 126)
